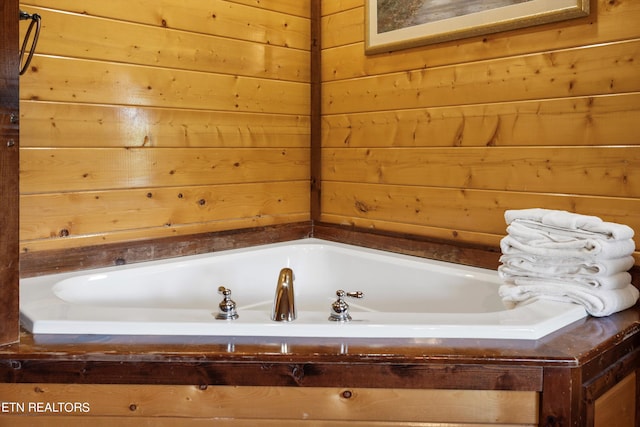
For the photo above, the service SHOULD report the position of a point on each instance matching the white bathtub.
(404, 297)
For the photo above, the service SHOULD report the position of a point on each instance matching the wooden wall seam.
(316, 112)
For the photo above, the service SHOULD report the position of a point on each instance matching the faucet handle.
(227, 307)
(357, 294)
(340, 309)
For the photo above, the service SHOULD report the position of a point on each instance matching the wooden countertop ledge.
(589, 344)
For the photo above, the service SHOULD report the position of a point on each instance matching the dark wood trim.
(9, 164)
(62, 260)
(316, 109)
(425, 247)
(635, 275)
(638, 397)
(442, 250)
(561, 401)
(274, 374)
(570, 368)
(55, 261)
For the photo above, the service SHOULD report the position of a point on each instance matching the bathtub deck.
(587, 358)
(570, 368)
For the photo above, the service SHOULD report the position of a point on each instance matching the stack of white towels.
(564, 256)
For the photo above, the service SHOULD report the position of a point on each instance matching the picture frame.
(399, 24)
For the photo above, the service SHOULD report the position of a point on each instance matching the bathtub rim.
(245, 326)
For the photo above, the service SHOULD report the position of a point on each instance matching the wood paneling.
(440, 140)
(82, 125)
(579, 121)
(349, 21)
(483, 256)
(593, 70)
(284, 403)
(93, 82)
(75, 169)
(153, 244)
(291, 7)
(617, 407)
(277, 24)
(452, 213)
(237, 422)
(439, 133)
(535, 169)
(337, 6)
(474, 126)
(151, 119)
(152, 45)
(153, 212)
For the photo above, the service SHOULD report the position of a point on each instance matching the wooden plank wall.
(146, 118)
(440, 140)
(186, 405)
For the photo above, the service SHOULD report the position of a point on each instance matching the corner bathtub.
(404, 297)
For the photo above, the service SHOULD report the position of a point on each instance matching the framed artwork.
(398, 24)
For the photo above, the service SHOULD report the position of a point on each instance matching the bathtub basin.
(404, 297)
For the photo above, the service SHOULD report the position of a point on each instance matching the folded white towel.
(560, 266)
(533, 232)
(558, 218)
(604, 249)
(571, 221)
(518, 277)
(597, 303)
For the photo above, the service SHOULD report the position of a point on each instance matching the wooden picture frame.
(399, 24)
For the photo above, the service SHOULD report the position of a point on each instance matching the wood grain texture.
(602, 171)
(337, 6)
(439, 140)
(297, 403)
(617, 407)
(62, 219)
(291, 7)
(9, 162)
(150, 247)
(411, 243)
(46, 170)
(349, 21)
(154, 46)
(150, 119)
(64, 421)
(451, 213)
(219, 18)
(72, 80)
(315, 154)
(55, 124)
(562, 405)
(591, 70)
(563, 122)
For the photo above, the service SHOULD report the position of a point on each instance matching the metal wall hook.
(35, 22)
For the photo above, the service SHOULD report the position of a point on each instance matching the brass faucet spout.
(284, 308)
